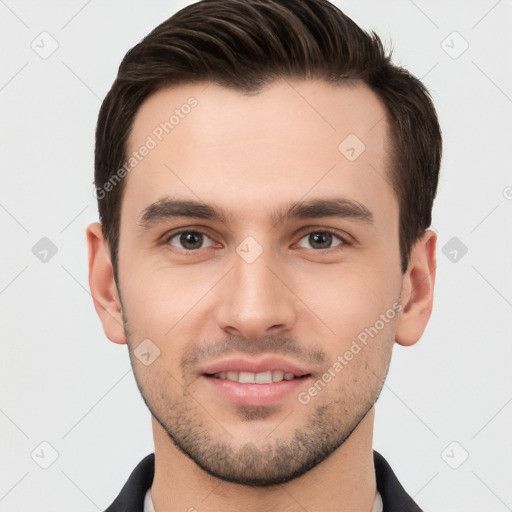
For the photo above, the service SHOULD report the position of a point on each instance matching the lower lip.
(255, 394)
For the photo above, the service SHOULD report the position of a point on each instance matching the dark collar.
(394, 496)
(131, 497)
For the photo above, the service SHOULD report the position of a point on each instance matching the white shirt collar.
(149, 507)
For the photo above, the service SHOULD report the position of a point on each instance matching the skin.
(251, 156)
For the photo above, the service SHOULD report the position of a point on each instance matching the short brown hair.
(246, 44)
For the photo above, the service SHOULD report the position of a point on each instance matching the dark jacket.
(131, 497)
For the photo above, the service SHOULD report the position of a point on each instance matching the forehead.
(290, 140)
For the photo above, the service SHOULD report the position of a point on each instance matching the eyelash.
(168, 237)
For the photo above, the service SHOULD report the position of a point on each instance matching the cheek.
(167, 306)
(349, 299)
(154, 294)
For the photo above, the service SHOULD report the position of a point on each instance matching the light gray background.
(64, 383)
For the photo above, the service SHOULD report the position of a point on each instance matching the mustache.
(275, 345)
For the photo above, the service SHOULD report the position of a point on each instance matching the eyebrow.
(169, 208)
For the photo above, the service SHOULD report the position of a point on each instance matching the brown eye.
(188, 240)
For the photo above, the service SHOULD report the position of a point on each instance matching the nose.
(256, 299)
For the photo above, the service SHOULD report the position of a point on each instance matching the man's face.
(260, 291)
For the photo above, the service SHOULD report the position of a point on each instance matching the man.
(265, 179)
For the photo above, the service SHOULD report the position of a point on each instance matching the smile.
(267, 377)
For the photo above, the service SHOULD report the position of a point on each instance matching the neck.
(345, 481)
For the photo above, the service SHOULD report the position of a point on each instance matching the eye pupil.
(320, 240)
(191, 240)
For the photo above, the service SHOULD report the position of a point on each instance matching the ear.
(417, 290)
(103, 286)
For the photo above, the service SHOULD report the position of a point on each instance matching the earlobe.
(417, 290)
(103, 286)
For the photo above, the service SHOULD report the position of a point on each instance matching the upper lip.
(246, 365)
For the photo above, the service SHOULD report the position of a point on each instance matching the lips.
(249, 383)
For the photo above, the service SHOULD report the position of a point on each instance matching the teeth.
(231, 376)
(277, 376)
(246, 378)
(263, 378)
(256, 378)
